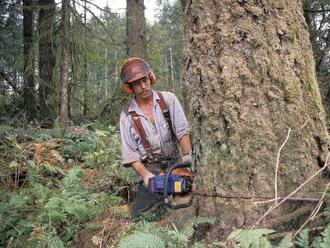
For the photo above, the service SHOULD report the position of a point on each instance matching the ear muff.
(152, 77)
(128, 89)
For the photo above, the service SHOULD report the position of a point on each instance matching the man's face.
(142, 88)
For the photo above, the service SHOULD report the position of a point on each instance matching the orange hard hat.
(134, 69)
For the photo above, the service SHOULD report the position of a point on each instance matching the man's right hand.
(146, 178)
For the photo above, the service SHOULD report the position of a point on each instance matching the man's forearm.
(185, 145)
(140, 168)
(142, 171)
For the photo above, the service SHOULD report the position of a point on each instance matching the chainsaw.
(176, 183)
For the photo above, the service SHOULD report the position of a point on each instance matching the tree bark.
(30, 105)
(64, 108)
(250, 73)
(46, 61)
(136, 28)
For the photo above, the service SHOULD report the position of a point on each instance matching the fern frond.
(250, 238)
(139, 239)
(189, 228)
(326, 238)
(286, 242)
(303, 239)
(54, 241)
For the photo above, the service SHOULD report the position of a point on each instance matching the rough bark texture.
(46, 60)
(251, 77)
(136, 28)
(64, 105)
(29, 97)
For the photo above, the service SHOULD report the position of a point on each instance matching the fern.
(165, 236)
(326, 238)
(251, 238)
(303, 239)
(286, 242)
(139, 239)
(54, 241)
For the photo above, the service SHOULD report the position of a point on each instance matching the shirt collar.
(134, 107)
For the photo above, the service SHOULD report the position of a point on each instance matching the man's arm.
(142, 171)
(185, 146)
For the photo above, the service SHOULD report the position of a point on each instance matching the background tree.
(29, 74)
(136, 28)
(46, 60)
(251, 77)
(64, 103)
(317, 14)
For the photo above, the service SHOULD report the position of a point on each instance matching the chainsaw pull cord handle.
(167, 180)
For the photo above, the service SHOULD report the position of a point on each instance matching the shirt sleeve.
(129, 152)
(178, 117)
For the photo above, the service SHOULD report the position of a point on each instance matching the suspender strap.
(166, 112)
(139, 128)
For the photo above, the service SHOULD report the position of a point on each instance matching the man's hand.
(187, 158)
(142, 171)
(146, 178)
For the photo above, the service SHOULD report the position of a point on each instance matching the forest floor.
(68, 189)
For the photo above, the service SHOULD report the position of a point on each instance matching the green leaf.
(286, 242)
(138, 240)
(303, 239)
(101, 133)
(13, 164)
(326, 238)
(250, 238)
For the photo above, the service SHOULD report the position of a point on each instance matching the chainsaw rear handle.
(167, 181)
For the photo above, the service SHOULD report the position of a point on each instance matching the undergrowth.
(45, 205)
(53, 202)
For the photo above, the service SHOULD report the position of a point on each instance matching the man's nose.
(143, 84)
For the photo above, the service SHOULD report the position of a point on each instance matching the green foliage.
(146, 234)
(54, 241)
(286, 242)
(257, 238)
(303, 239)
(250, 238)
(140, 239)
(77, 149)
(324, 240)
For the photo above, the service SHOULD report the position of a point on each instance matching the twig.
(278, 161)
(279, 154)
(310, 199)
(272, 208)
(314, 212)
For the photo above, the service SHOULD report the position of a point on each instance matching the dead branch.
(279, 154)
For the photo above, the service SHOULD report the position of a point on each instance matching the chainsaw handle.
(167, 181)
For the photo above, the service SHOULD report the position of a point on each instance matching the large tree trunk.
(251, 77)
(64, 108)
(136, 28)
(30, 105)
(46, 60)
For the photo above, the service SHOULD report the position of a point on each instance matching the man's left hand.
(187, 158)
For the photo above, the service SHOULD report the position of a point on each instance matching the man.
(153, 128)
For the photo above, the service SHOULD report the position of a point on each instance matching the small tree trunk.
(64, 108)
(136, 28)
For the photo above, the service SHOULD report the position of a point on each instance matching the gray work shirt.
(159, 136)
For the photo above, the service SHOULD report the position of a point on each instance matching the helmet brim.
(137, 77)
